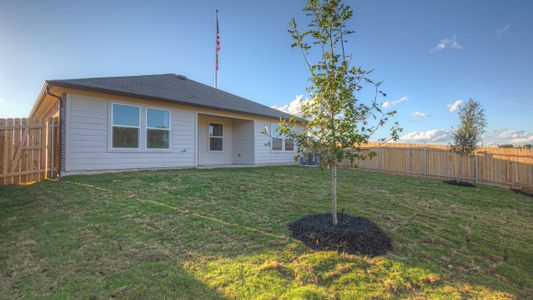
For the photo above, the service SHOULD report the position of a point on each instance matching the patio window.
(289, 145)
(216, 137)
(126, 120)
(157, 128)
(277, 141)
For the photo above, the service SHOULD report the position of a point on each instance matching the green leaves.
(338, 121)
(472, 126)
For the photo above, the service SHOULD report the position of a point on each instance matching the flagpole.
(216, 50)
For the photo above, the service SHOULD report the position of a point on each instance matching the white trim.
(282, 142)
(273, 137)
(272, 145)
(293, 147)
(157, 128)
(110, 131)
(218, 137)
(277, 137)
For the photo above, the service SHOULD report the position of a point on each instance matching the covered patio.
(224, 141)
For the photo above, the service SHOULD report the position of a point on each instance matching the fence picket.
(22, 151)
(489, 165)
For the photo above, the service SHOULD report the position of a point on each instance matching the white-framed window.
(126, 123)
(278, 142)
(276, 139)
(289, 144)
(157, 128)
(216, 137)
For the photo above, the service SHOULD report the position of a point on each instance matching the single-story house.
(158, 121)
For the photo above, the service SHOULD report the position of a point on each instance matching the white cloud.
(419, 115)
(434, 136)
(393, 103)
(493, 137)
(524, 103)
(449, 42)
(455, 105)
(501, 32)
(294, 107)
(506, 136)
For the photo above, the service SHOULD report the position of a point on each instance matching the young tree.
(338, 121)
(472, 123)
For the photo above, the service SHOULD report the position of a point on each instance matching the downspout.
(59, 104)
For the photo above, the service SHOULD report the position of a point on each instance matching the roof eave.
(40, 98)
(127, 94)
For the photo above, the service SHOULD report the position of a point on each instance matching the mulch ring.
(460, 183)
(354, 235)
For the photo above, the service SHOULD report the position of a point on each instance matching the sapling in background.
(472, 124)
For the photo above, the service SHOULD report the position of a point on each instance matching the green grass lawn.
(222, 233)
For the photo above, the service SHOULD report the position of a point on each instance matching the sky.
(431, 55)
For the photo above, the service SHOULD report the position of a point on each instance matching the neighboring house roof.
(171, 88)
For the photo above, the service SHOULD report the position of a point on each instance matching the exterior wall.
(263, 152)
(210, 158)
(243, 142)
(88, 144)
(88, 137)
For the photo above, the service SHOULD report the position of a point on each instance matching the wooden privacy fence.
(27, 151)
(489, 165)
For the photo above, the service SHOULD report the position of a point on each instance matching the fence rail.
(489, 165)
(25, 151)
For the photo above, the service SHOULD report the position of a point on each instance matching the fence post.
(408, 169)
(425, 159)
(475, 169)
(381, 159)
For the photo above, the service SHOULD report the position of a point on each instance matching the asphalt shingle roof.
(172, 88)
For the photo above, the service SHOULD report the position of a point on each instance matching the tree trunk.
(460, 166)
(334, 193)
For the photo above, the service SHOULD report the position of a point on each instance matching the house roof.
(171, 88)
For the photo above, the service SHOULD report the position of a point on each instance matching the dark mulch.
(354, 235)
(460, 183)
(527, 192)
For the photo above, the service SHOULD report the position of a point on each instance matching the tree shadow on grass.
(223, 237)
(243, 262)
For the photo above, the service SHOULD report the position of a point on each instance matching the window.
(157, 128)
(278, 142)
(126, 121)
(289, 145)
(216, 137)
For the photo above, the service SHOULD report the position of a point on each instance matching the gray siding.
(211, 158)
(243, 142)
(263, 153)
(88, 138)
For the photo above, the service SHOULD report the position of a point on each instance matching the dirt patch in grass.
(354, 235)
(460, 183)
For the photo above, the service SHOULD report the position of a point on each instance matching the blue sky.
(485, 52)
